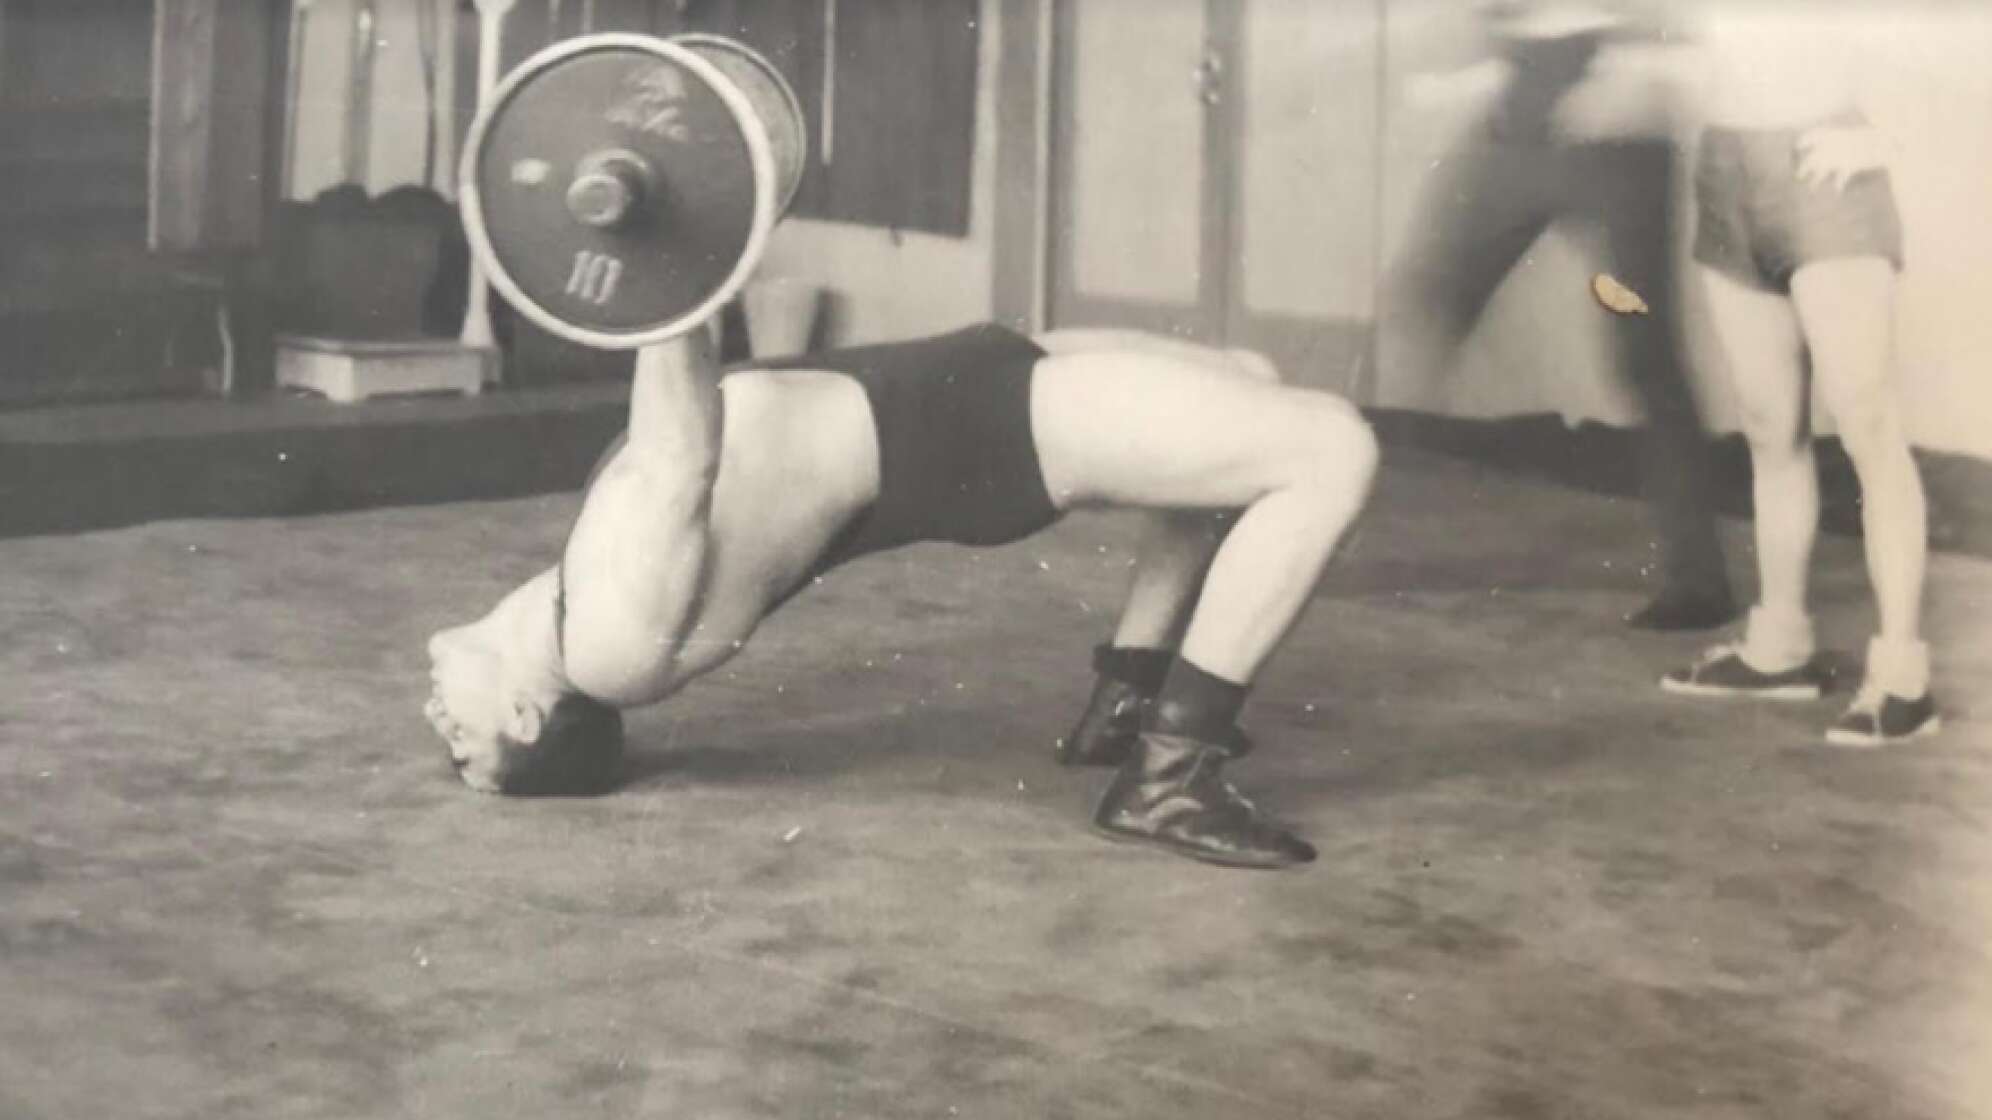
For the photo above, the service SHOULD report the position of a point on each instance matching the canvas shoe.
(1721, 671)
(1877, 718)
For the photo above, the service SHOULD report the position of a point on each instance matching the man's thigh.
(1483, 203)
(1627, 189)
(1150, 429)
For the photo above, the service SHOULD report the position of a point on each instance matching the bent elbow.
(620, 666)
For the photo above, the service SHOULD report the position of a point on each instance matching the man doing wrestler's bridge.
(732, 488)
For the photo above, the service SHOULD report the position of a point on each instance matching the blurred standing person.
(1798, 243)
(1571, 131)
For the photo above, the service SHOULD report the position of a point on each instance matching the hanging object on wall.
(294, 78)
(477, 329)
(359, 93)
(426, 51)
(829, 110)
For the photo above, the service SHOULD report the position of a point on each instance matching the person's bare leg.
(1171, 559)
(1847, 309)
(1760, 336)
(1123, 428)
(1176, 545)
(1129, 670)
(1164, 432)
(1175, 551)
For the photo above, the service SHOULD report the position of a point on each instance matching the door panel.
(1130, 212)
(1307, 158)
(1305, 113)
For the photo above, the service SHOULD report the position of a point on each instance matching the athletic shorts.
(1758, 223)
(957, 459)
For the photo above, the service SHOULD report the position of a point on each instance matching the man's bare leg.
(1175, 552)
(1171, 560)
(1178, 545)
(1774, 659)
(1847, 308)
(1760, 335)
(1126, 428)
(1167, 431)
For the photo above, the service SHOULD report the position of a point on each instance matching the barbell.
(618, 190)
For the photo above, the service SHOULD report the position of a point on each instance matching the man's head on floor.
(510, 723)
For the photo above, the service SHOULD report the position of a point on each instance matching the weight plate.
(618, 189)
(774, 101)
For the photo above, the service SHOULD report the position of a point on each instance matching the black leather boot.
(1171, 793)
(1106, 731)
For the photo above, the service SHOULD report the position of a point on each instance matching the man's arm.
(635, 565)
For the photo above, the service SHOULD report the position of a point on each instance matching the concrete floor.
(846, 880)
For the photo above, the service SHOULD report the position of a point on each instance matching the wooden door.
(1136, 216)
(1214, 173)
(83, 307)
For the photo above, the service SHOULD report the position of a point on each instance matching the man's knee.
(1772, 431)
(1334, 447)
(1870, 426)
(1254, 365)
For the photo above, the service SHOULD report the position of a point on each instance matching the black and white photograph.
(1004, 559)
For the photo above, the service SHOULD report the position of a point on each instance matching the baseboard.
(1602, 458)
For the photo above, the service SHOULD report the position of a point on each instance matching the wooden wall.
(85, 309)
(215, 71)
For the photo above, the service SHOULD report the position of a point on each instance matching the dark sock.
(1142, 669)
(1197, 704)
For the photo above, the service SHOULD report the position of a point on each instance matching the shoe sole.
(1198, 854)
(1842, 738)
(1785, 692)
